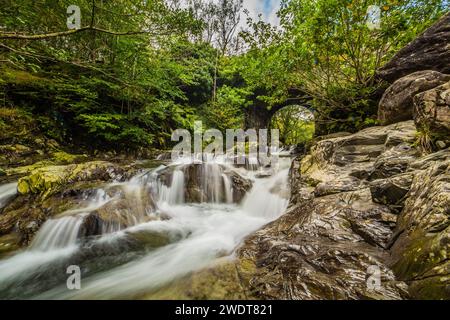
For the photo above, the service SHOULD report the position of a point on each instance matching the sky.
(268, 8)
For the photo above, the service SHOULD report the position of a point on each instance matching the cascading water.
(58, 233)
(160, 233)
(7, 191)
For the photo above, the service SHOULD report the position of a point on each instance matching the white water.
(7, 191)
(204, 232)
(58, 233)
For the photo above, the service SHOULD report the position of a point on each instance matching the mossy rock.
(225, 281)
(62, 157)
(28, 169)
(50, 180)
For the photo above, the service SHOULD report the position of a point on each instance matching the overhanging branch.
(19, 36)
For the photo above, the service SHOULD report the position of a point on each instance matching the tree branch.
(18, 36)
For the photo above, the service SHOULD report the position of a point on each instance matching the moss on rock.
(50, 180)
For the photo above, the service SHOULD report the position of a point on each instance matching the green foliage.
(335, 54)
(104, 90)
(227, 111)
(295, 124)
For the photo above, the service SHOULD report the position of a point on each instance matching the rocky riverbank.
(369, 212)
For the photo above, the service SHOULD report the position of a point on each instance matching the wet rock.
(337, 186)
(421, 245)
(342, 222)
(362, 147)
(47, 181)
(125, 210)
(429, 51)
(429, 160)
(205, 182)
(432, 112)
(397, 102)
(391, 192)
(441, 144)
(9, 243)
(394, 161)
(240, 186)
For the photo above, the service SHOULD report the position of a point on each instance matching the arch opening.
(295, 123)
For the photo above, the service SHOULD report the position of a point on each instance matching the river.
(151, 245)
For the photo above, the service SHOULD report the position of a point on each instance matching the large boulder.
(429, 51)
(50, 180)
(124, 210)
(397, 102)
(432, 112)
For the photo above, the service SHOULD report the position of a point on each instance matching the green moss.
(28, 169)
(425, 264)
(62, 157)
(50, 180)
(21, 77)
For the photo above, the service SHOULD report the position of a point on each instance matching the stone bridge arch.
(258, 115)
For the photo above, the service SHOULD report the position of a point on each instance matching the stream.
(155, 236)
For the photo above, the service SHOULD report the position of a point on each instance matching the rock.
(391, 192)
(240, 186)
(362, 147)
(9, 243)
(441, 144)
(47, 181)
(342, 223)
(123, 211)
(61, 157)
(394, 161)
(397, 102)
(204, 182)
(421, 244)
(432, 112)
(2, 172)
(429, 51)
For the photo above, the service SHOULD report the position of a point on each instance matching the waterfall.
(228, 189)
(58, 233)
(269, 197)
(212, 183)
(173, 194)
(7, 191)
(180, 218)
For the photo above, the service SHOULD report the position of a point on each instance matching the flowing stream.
(132, 239)
(7, 191)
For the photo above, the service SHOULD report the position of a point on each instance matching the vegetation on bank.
(137, 70)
